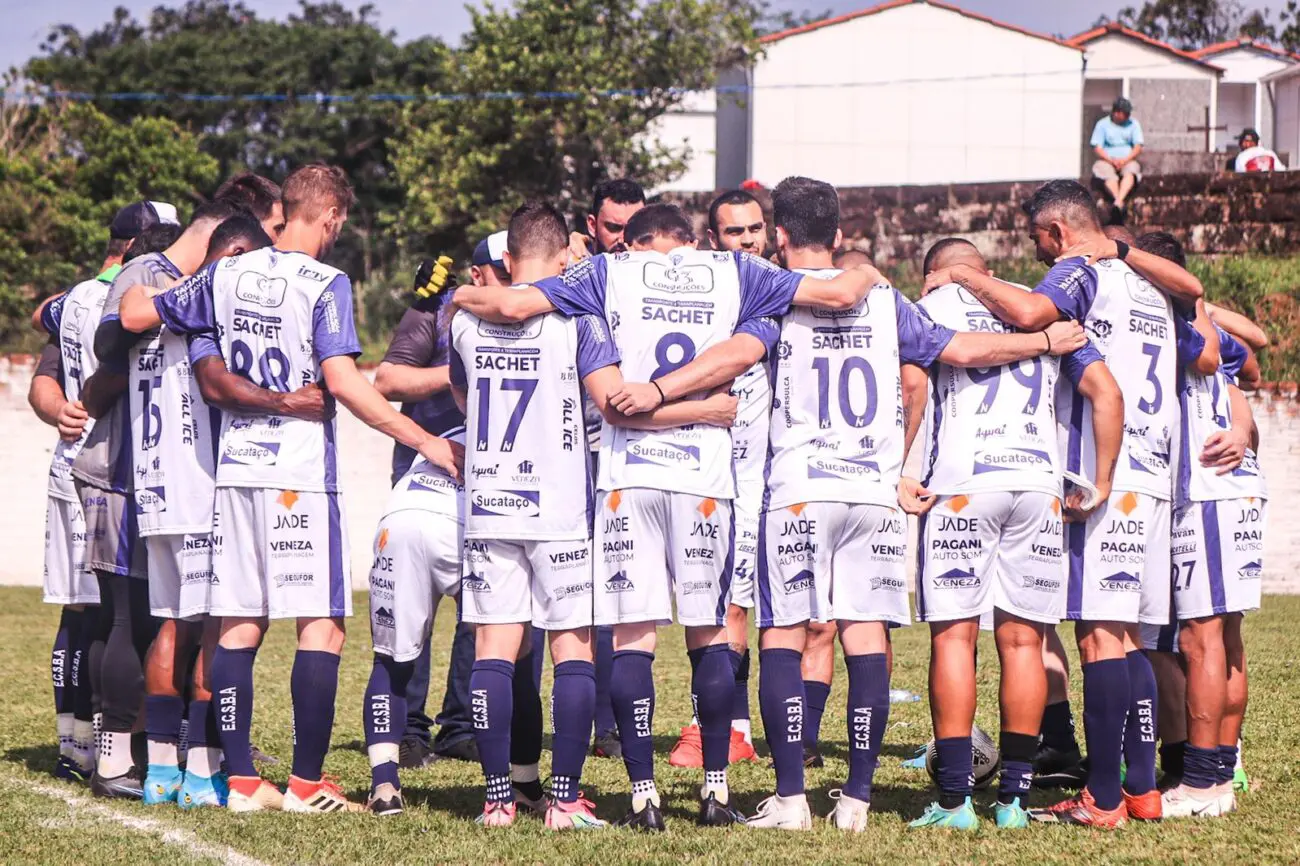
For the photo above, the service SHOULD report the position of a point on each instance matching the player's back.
(72, 319)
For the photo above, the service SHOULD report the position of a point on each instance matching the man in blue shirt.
(1117, 141)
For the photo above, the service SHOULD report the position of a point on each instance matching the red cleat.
(689, 751)
(741, 749)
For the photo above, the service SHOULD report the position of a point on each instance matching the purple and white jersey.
(1207, 410)
(837, 408)
(753, 392)
(663, 309)
(73, 318)
(426, 487)
(1131, 324)
(276, 316)
(993, 428)
(527, 469)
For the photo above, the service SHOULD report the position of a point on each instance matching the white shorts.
(68, 577)
(983, 551)
(1119, 562)
(417, 562)
(113, 541)
(745, 559)
(180, 575)
(547, 583)
(656, 547)
(279, 554)
(828, 561)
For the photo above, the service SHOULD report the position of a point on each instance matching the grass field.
(44, 821)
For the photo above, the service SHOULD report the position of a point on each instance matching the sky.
(26, 22)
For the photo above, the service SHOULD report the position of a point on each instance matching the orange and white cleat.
(578, 815)
(1144, 807)
(741, 749)
(497, 814)
(253, 794)
(1082, 810)
(322, 796)
(689, 751)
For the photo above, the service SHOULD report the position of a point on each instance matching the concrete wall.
(1246, 66)
(1286, 108)
(1166, 107)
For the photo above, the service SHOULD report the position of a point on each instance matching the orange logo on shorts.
(614, 500)
(797, 509)
(957, 503)
(287, 499)
(1056, 506)
(707, 507)
(1128, 503)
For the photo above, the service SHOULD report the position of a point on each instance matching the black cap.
(1121, 105)
(134, 219)
(1247, 133)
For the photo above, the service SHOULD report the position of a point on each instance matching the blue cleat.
(1011, 816)
(916, 762)
(199, 791)
(162, 784)
(961, 818)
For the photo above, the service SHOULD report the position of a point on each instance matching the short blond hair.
(314, 189)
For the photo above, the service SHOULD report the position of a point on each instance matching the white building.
(691, 126)
(1245, 99)
(1284, 93)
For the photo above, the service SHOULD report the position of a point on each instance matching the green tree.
(1192, 24)
(465, 163)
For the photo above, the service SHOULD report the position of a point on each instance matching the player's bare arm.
(714, 367)
(844, 291)
(138, 313)
(1238, 326)
(968, 349)
(716, 410)
(1028, 311)
(45, 394)
(1249, 375)
(1101, 390)
(913, 497)
(1226, 449)
(349, 387)
(102, 391)
(502, 304)
(403, 384)
(1207, 362)
(239, 396)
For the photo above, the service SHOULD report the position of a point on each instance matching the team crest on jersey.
(506, 503)
(1100, 329)
(1142, 292)
(844, 469)
(663, 454)
(784, 349)
(264, 291)
(675, 279)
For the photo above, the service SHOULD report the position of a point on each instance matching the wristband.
(662, 398)
(1121, 250)
(1048, 337)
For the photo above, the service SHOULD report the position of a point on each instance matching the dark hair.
(253, 193)
(730, 197)
(536, 230)
(1066, 200)
(243, 227)
(216, 210)
(808, 210)
(314, 189)
(1245, 134)
(116, 247)
(939, 248)
(152, 240)
(658, 220)
(1162, 244)
(622, 190)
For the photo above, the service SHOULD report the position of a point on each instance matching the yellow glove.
(433, 276)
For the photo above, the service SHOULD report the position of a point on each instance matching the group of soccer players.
(752, 416)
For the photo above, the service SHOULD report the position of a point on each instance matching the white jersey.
(277, 316)
(1132, 326)
(753, 391)
(526, 456)
(426, 487)
(173, 438)
(991, 429)
(1207, 410)
(73, 318)
(837, 415)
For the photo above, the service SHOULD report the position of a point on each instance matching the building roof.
(1115, 28)
(895, 4)
(1263, 47)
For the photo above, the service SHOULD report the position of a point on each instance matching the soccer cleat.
(715, 814)
(578, 815)
(1185, 802)
(812, 757)
(1058, 768)
(608, 745)
(530, 796)
(253, 794)
(199, 791)
(1240, 781)
(458, 750)
(1143, 807)
(782, 813)
(917, 761)
(414, 753)
(1169, 780)
(69, 770)
(1011, 816)
(850, 813)
(128, 786)
(650, 819)
(322, 796)
(162, 784)
(740, 749)
(497, 814)
(961, 818)
(1082, 810)
(385, 800)
(689, 749)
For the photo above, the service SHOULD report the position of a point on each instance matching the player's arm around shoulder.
(1028, 311)
(1098, 386)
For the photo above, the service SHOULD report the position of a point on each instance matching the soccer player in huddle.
(282, 318)
(991, 535)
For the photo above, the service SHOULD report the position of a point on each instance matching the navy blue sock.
(491, 697)
(954, 769)
(868, 717)
(740, 692)
(1140, 731)
(232, 699)
(526, 718)
(383, 715)
(83, 633)
(714, 683)
(1058, 727)
(313, 685)
(1105, 711)
(1227, 762)
(538, 657)
(573, 706)
(605, 722)
(1017, 766)
(162, 718)
(197, 713)
(781, 702)
(817, 694)
(1200, 767)
(632, 691)
(60, 663)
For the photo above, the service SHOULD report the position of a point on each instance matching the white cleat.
(782, 813)
(245, 796)
(1185, 802)
(850, 813)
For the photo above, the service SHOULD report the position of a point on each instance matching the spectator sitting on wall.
(1117, 141)
(1253, 157)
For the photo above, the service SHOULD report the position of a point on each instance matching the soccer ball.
(985, 758)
